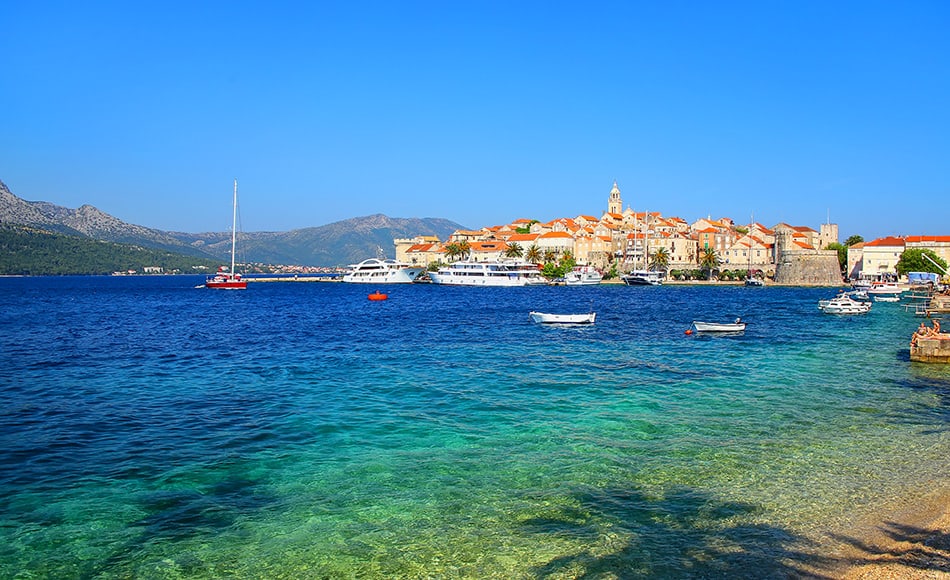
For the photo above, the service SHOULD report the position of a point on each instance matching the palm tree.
(660, 259)
(533, 254)
(709, 261)
(514, 250)
(456, 250)
(465, 249)
(549, 256)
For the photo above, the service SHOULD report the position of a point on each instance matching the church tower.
(615, 204)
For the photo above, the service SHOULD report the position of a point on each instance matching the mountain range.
(336, 244)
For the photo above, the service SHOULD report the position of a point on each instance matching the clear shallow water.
(150, 429)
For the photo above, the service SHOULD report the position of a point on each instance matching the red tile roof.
(888, 241)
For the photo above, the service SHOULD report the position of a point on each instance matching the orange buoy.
(378, 296)
(689, 331)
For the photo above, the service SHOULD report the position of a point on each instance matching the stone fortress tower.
(796, 265)
(828, 234)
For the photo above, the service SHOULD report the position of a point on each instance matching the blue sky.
(481, 112)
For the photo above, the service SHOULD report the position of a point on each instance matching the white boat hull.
(488, 274)
(717, 327)
(583, 276)
(377, 271)
(545, 318)
(843, 305)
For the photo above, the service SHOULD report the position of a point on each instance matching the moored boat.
(886, 298)
(642, 278)
(583, 276)
(546, 318)
(228, 279)
(844, 304)
(736, 326)
(489, 273)
(382, 271)
(884, 288)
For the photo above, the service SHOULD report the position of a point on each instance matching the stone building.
(798, 263)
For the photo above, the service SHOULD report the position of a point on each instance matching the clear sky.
(481, 111)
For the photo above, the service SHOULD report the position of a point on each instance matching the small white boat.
(545, 318)
(752, 281)
(886, 298)
(843, 304)
(583, 276)
(885, 288)
(736, 326)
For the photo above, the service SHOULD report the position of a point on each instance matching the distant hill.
(30, 251)
(336, 244)
(87, 221)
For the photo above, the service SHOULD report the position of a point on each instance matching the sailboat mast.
(234, 227)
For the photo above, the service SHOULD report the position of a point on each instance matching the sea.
(150, 429)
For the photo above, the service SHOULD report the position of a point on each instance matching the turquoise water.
(153, 430)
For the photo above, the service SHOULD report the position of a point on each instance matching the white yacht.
(642, 278)
(583, 276)
(844, 304)
(380, 271)
(506, 273)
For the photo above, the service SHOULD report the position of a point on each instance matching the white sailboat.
(751, 280)
(229, 280)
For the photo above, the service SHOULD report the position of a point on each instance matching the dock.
(295, 279)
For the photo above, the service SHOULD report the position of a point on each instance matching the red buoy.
(378, 296)
(689, 331)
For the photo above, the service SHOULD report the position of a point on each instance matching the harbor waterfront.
(300, 430)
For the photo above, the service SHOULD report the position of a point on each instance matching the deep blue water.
(151, 429)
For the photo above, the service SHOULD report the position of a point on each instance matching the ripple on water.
(298, 429)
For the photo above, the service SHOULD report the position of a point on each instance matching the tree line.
(28, 251)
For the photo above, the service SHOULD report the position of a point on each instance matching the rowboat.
(736, 326)
(545, 318)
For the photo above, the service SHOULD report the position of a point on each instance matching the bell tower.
(614, 203)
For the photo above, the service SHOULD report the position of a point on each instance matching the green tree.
(549, 256)
(852, 240)
(533, 254)
(526, 229)
(708, 262)
(514, 250)
(660, 259)
(566, 263)
(452, 251)
(465, 248)
(842, 250)
(913, 260)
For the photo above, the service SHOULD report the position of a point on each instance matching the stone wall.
(808, 268)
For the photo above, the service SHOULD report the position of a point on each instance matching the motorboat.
(545, 318)
(382, 271)
(753, 281)
(489, 273)
(737, 326)
(583, 276)
(886, 298)
(642, 278)
(884, 288)
(844, 304)
(225, 279)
